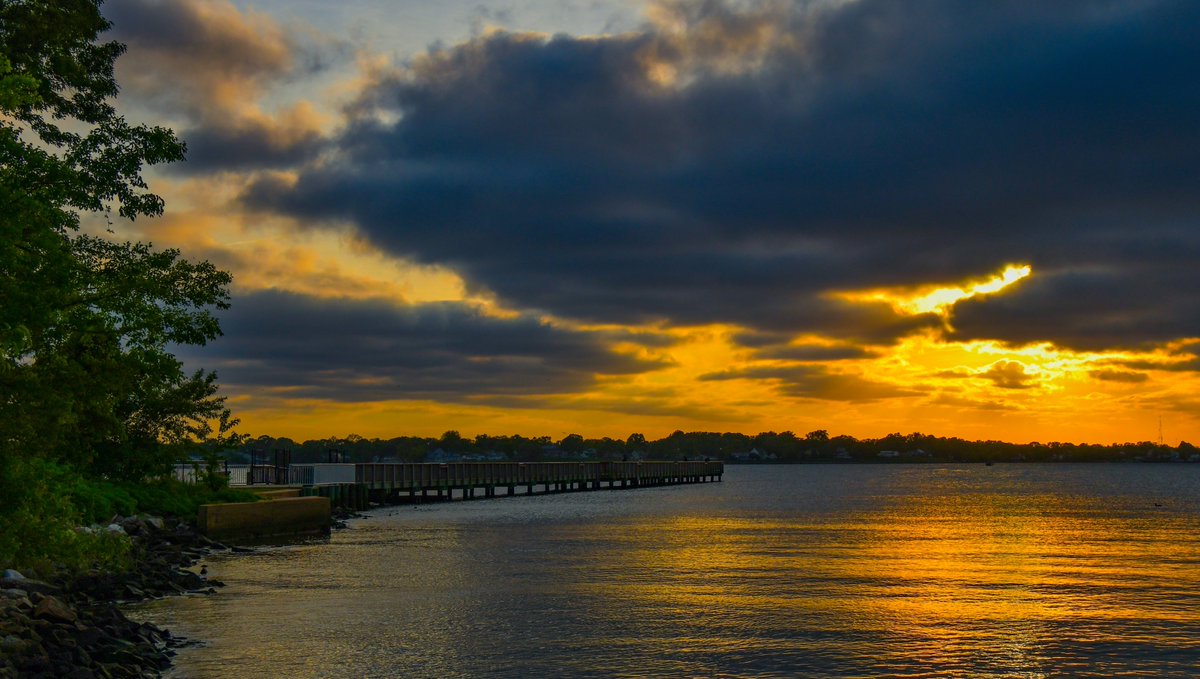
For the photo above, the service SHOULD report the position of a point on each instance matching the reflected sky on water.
(780, 571)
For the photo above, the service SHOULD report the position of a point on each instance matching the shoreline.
(75, 625)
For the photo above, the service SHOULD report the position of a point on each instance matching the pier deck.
(417, 482)
(355, 486)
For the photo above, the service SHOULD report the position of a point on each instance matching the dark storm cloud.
(1126, 376)
(777, 346)
(191, 29)
(1139, 294)
(815, 381)
(801, 149)
(1003, 374)
(352, 350)
(1184, 358)
(251, 145)
(1009, 375)
(643, 405)
(814, 352)
(210, 64)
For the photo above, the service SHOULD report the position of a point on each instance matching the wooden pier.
(398, 483)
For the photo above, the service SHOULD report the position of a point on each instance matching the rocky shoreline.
(73, 628)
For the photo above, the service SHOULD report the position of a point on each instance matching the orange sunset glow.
(600, 338)
(547, 223)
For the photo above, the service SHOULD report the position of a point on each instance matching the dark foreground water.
(780, 571)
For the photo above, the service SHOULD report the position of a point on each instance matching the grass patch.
(47, 504)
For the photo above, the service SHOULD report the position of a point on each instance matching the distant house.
(588, 454)
(754, 455)
(889, 453)
(439, 455)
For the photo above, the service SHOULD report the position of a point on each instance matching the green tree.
(636, 443)
(571, 443)
(213, 448)
(86, 377)
(453, 442)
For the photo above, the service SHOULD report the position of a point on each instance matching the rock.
(10, 606)
(89, 637)
(22, 604)
(27, 584)
(133, 526)
(82, 657)
(78, 630)
(13, 644)
(54, 610)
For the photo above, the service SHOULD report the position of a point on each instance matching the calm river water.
(779, 571)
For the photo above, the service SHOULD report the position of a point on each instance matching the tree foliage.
(783, 447)
(87, 379)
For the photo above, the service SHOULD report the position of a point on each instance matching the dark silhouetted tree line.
(782, 447)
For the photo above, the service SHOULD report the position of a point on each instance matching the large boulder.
(27, 585)
(54, 610)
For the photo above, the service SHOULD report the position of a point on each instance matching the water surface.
(779, 571)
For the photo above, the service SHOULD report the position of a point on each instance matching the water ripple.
(1022, 571)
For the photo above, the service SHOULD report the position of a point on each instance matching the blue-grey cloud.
(249, 145)
(1132, 299)
(1113, 375)
(817, 382)
(778, 346)
(880, 142)
(209, 65)
(1009, 375)
(362, 350)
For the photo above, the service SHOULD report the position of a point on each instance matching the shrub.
(41, 522)
(181, 499)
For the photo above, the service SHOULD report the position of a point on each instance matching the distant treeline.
(768, 447)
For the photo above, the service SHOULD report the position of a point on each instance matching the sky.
(974, 219)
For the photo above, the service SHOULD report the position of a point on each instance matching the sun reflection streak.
(958, 580)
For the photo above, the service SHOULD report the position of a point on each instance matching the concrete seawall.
(251, 520)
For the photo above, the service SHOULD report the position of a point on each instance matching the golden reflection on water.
(825, 573)
(955, 581)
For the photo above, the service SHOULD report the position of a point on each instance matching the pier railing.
(354, 485)
(238, 474)
(400, 476)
